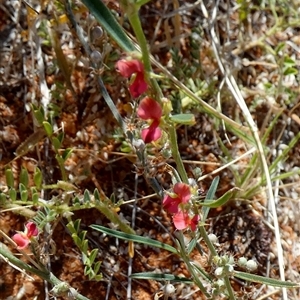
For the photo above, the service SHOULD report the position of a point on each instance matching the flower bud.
(251, 265)
(169, 289)
(219, 271)
(242, 262)
(213, 238)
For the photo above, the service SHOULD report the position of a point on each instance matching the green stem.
(207, 241)
(176, 155)
(189, 266)
(229, 288)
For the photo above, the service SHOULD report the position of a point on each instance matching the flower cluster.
(22, 239)
(175, 204)
(135, 69)
(149, 109)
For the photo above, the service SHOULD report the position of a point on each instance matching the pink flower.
(182, 220)
(149, 109)
(182, 194)
(22, 239)
(129, 67)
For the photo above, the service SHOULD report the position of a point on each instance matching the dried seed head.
(96, 57)
(96, 34)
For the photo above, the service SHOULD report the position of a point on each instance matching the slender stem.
(176, 155)
(207, 241)
(229, 288)
(191, 268)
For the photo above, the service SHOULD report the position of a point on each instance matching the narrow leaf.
(210, 195)
(48, 128)
(39, 115)
(221, 201)
(24, 177)
(66, 154)
(109, 23)
(185, 119)
(13, 194)
(37, 178)
(9, 178)
(56, 143)
(265, 280)
(161, 277)
(93, 255)
(134, 238)
(97, 266)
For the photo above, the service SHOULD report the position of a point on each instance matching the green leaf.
(289, 62)
(185, 119)
(2, 198)
(82, 234)
(221, 201)
(56, 143)
(35, 198)
(86, 196)
(93, 255)
(97, 266)
(60, 137)
(161, 277)
(290, 71)
(87, 270)
(109, 23)
(48, 128)
(23, 192)
(96, 195)
(77, 225)
(280, 47)
(9, 178)
(38, 178)
(134, 238)
(98, 277)
(67, 153)
(85, 245)
(39, 115)
(13, 194)
(210, 195)
(76, 240)
(85, 259)
(265, 280)
(24, 177)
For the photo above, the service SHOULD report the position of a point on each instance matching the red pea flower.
(129, 67)
(22, 239)
(150, 109)
(182, 220)
(182, 194)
